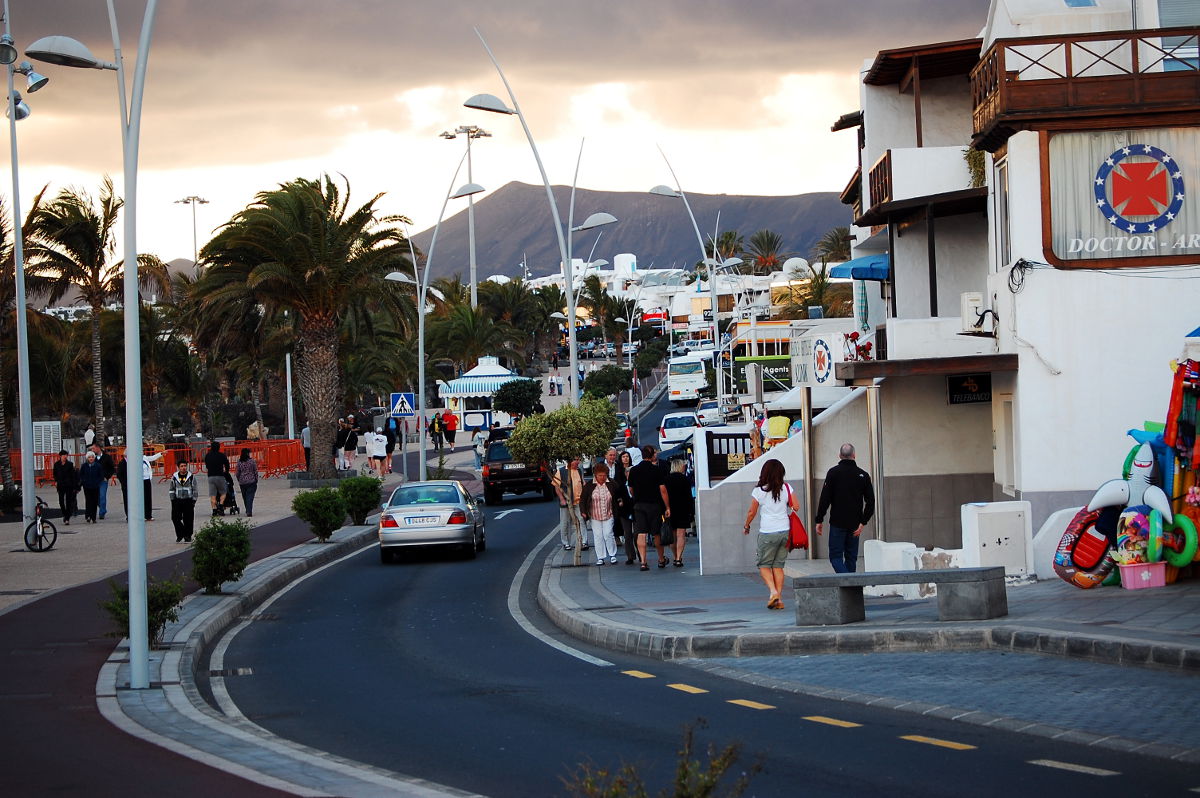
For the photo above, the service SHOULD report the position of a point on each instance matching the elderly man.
(569, 479)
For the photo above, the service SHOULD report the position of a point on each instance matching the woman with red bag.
(777, 501)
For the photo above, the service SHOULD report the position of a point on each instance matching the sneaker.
(612, 560)
(566, 547)
(599, 562)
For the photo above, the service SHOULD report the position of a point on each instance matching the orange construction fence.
(274, 458)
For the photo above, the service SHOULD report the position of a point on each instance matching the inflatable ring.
(1064, 563)
(1191, 543)
(1154, 540)
(1127, 468)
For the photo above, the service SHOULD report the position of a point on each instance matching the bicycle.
(41, 534)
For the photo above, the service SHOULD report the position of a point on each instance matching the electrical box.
(970, 307)
(998, 533)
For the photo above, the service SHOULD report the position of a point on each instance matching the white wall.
(962, 251)
(1019, 18)
(921, 171)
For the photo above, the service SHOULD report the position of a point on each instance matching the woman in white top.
(776, 499)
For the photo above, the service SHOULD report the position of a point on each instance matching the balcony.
(912, 172)
(1087, 80)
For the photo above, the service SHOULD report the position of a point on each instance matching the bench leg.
(972, 601)
(822, 606)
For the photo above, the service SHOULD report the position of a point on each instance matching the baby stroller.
(230, 506)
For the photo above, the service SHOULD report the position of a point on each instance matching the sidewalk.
(1003, 670)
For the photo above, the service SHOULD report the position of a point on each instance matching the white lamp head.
(595, 220)
(33, 80)
(599, 262)
(20, 108)
(399, 277)
(664, 191)
(557, 315)
(488, 102)
(621, 320)
(466, 190)
(8, 51)
(65, 51)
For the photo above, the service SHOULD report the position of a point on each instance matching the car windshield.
(709, 405)
(694, 367)
(424, 494)
(499, 451)
(679, 421)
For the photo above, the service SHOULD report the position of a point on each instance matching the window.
(1000, 187)
(694, 367)
(1080, 3)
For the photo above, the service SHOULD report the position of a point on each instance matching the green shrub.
(162, 607)
(10, 499)
(220, 553)
(322, 509)
(361, 495)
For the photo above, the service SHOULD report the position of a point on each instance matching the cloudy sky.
(241, 96)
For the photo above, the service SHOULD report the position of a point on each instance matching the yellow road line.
(845, 724)
(916, 738)
(1052, 763)
(639, 674)
(687, 688)
(742, 702)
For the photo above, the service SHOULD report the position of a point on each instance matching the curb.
(588, 625)
(173, 714)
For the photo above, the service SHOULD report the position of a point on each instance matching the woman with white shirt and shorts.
(775, 499)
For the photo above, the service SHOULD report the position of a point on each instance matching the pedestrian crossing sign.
(402, 405)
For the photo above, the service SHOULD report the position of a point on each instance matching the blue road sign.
(403, 405)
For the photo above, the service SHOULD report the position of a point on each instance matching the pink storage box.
(1143, 574)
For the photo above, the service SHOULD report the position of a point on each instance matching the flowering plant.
(1192, 498)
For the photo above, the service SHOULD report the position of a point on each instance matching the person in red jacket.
(449, 427)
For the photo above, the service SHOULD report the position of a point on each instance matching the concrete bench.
(964, 594)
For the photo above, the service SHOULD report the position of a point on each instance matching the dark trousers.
(626, 528)
(183, 515)
(843, 549)
(307, 458)
(146, 487)
(124, 500)
(248, 492)
(91, 501)
(67, 503)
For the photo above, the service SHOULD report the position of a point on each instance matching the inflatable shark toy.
(1136, 490)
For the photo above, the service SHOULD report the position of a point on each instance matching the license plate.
(513, 466)
(422, 520)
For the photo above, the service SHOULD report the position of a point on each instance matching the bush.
(322, 509)
(361, 495)
(517, 397)
(220, 553)
(607, 381)
(10, 499)
(162, 607)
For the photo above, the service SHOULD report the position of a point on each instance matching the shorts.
(217, 485)
(772, 549)
(379, 457)
(647, 519)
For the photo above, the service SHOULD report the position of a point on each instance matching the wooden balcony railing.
(880, 180)
(1048, 81)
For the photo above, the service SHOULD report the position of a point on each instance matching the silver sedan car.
(435, 513)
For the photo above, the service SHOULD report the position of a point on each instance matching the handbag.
(797, 534)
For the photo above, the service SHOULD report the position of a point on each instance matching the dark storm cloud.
(259, 79)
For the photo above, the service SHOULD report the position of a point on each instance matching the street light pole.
(470, 132)
(193, 200)
(65, 51)
(8, 56)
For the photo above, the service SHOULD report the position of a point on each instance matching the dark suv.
(502, 474)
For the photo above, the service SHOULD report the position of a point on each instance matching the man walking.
(850, 500)
(109, 469)
(648, 487)
(216, 465)
(568, 486)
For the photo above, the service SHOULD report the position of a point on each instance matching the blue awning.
(868, 267)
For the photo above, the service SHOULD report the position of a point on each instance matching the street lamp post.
(193, 201)
(65, 51)
(470, 132)
(423, 290)
(19, 110)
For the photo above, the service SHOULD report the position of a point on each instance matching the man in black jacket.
(848, 496)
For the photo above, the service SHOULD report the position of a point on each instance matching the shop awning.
(473, 386)
(868, 267)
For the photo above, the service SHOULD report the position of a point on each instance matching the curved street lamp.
(423, 290)
(469, 132)
(65, 51)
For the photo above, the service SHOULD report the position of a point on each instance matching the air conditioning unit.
(998, 533)
(971, 310)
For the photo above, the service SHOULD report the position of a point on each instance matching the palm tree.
(464, 334)
(729, 244)
(834, 246)
(765, 252)
(303, 249)
(71, 241)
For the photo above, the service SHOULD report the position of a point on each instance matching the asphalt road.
(420, 668)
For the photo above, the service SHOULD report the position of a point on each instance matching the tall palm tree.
(302, 248)
(465, 334)
(72, 241)
(765, 252)
(729, 244)
(834, 246)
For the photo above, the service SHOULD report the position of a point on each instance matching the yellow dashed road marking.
(1052, 763)
(639, 674)
(741, 702)
(916, 738)
(845, 724)
(687, 688)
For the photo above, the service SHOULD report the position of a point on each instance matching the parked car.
(434, 513)
(502, 474)
(609, 349)
(629, 348)
(676, 428)
(709, 412)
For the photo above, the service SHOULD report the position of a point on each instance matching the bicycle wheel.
(42, 540)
